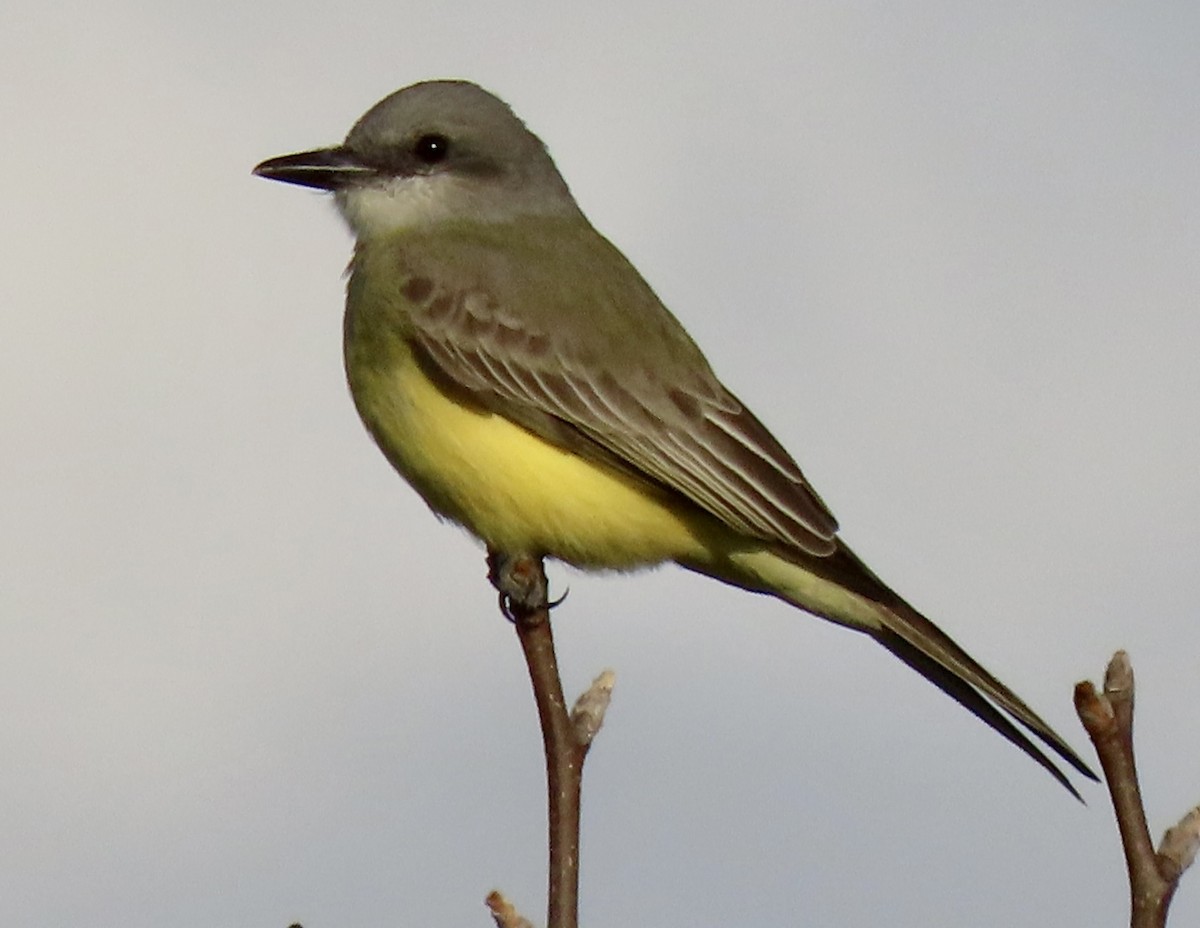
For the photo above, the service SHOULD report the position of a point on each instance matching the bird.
(518, 371)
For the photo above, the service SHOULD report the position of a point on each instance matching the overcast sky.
(949, 254)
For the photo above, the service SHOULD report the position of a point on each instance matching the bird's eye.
(432, 148)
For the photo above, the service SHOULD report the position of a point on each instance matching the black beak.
(323, 168)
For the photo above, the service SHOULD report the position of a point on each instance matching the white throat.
(400, 203)
(415, 202)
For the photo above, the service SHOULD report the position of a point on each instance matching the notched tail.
(973, 701)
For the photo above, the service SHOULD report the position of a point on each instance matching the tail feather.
(932, 653)
(841, 588)
(970, 699)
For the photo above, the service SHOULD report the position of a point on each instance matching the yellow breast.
(511, 488)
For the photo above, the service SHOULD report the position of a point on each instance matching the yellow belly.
(512, 489)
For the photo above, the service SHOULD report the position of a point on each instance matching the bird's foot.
(521, 582)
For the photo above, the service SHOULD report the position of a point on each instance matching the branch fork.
(1153, 874)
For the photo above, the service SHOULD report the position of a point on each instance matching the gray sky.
(948, 254)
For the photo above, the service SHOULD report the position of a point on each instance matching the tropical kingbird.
(517, 370)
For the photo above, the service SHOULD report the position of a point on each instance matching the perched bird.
(517, 370)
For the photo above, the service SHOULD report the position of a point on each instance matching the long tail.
(931, 653)
(844, 590)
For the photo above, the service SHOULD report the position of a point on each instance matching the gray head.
(432, 152)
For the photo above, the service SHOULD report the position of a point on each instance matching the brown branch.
(566, 738)
(1153, 875)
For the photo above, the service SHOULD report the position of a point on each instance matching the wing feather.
(672, 422)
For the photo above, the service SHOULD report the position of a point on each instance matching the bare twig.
(521, 581)
(504, 912)
(1153, 875)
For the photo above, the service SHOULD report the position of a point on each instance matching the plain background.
(948, 253)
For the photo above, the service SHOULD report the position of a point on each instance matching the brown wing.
(613, 366)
